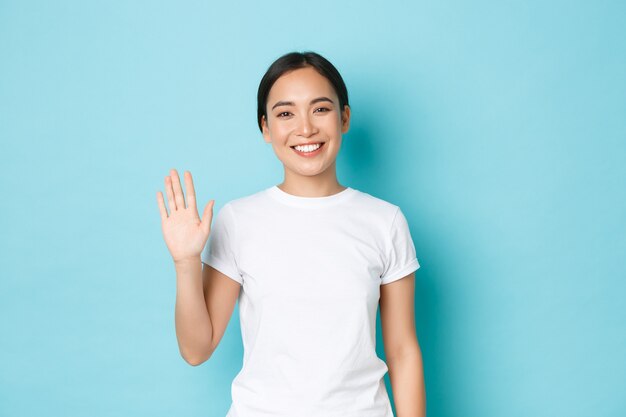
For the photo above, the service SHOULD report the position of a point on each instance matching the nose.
(307, 126)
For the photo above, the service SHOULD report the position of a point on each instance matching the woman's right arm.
(205, 298)
(193, 324)
(205, 301)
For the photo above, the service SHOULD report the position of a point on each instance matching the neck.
(322, 185)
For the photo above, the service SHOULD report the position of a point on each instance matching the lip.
(308, 143)
(309, 154)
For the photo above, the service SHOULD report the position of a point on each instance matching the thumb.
(207, 216)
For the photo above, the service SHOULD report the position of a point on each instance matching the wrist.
(184, 262)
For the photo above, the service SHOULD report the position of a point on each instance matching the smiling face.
(303, 108)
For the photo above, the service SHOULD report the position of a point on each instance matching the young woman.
(309, 260)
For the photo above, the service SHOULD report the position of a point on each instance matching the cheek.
(282, 129)
(333, 122)
(333, 129)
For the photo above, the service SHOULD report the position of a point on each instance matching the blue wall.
(499, 127)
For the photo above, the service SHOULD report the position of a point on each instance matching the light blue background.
(498, 127)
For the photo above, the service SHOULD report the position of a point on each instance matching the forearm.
(193, 324)
(406, 374)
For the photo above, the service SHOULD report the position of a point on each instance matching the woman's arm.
(205, 297)
(205, 301)
(402, 350)
(193, 324)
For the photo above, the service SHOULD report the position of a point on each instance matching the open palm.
(184, 232)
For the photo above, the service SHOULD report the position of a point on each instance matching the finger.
(170, 194)
(161, 203)
(191, 192)
(178, 190)
(207, 216)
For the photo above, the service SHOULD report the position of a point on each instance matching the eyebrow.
(291, 103)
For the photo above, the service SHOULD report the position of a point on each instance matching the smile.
(308, 150)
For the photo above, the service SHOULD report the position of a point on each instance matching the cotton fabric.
(311, 270)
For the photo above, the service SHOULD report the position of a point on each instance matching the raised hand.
(184, 232)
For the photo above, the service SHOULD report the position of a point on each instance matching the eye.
(283, 114)
(326, 109)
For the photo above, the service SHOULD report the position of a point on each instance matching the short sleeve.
(218, 252)
(400, 257)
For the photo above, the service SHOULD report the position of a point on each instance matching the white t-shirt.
(310, 270)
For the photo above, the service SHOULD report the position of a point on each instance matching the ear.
(345, 119)
(266, 131)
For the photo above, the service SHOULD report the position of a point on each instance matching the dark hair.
(296, 60)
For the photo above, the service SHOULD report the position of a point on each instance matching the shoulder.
(374, 207)
(246, 203)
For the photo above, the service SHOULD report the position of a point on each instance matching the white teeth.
(308, 148)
